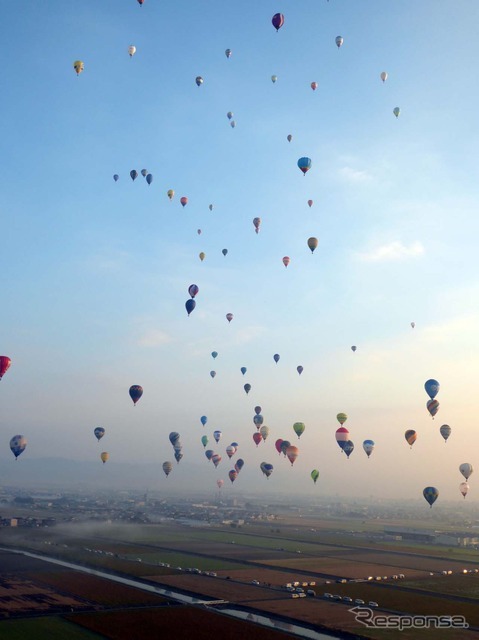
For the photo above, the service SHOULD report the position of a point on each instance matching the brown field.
(18, 595)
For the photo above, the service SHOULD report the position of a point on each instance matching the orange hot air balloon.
(312, 244)
(292, 453)
(184, 201)
(286, 261)
(104, 456)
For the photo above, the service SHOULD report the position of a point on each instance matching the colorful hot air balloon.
(116, 177)
(203, 420)
(314, 86)
(230, 451)
(298, 428)
(410, 436)
(466, 469)
(257, 224)
(193, 290)
(277, 21)
(212, 374)
(228, 53)
(190, 305)
(170, 193)
(132, 50)
(342, 436)
(432, 388)
(433, 407)
(292, 453)
(284, 447)
(167, 468)
(278, 445)
(299, 369)
(216, 459)
(312, 244)
(174, 438)
(264, 432)
(464, 488)
(232, 475)
(266, 468)
(184, 201)
(199, 81)
(276, 357)
(304, 164)
(204, 441)
(220, 483)
(431, 494)
(135, 392)
(273, 79)
(315, 475)
(18, 445)
(5, 363)
(202, 256)
(229, 317)
(257, 438)
(99, 433)
(339, 41)
(348, 448)
(258, 420)
(140, 2)
(104, 456)
(247, 388)
(289, 137)
(286, 261)
(310, 203)
(217, 435)
(445, 431)
(209, 453)
(257, 410)
(239, 464)
(368, 446)
(243, 370)
(341, 418)
(78, 66)
(384, 76)
(396, 111)
(133, 174)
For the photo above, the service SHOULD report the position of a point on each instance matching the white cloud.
(154, 338)
(249, 334)
(392, 251)
(354, 175)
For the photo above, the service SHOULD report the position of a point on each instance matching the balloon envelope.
(247, 388)
(132, 50)
(78, 66)
(193, 290)
(257, 438)
(99, 432)
(292, 453)
(348, 447)
(228, 53)
(174, 438)
(229, 317)
(5, 363)
(135, 392)
(432, 388)
(18, 445)
(278, 445)
(310, 203)
(204, 441)
(276, 357)
(341, 418)
(264, 432)
(190, 305)
(257, 410)
(212, 374)
(167, 468)
(410, 436)
(258, 420)
(368, 446)
(339, 41)
(314, 86)
(314, 475)
(396, 111)
(464, 488)
(257, 224)
(104, 456)
(149, 178)
(286, 261)
(133, 174)
(203, 420)
(243, 370)
(199, 80)
(277, 21)
(300, 369)
(217, 435)
(432, 406)
(466, 469)
(239, 465)
(312, 244)
(430, 494)
(445, 431)
(304, 164)
(233, 474)
(273, 79)
(170, 193)
(116, 177)
(184, 201)
(299, 428)
(384, 76)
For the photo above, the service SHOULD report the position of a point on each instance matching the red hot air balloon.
(229, 317)
(184, 201)
(257, 437)
(5, 363)
(314, 86)
(257, 224)
(310, 203)
(136, 392)
(277, 21)
(193, 290)
(140, 2)
(286, 261)
(278, 444)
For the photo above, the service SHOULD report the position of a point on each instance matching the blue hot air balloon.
(432, 388)
(239, 464)
(243, 370)
(247, 388)
(18, 445)
(190, 305)
(193, 290)
(348, 448)
(258, 420)
(203, 420)
(212, 374)
(214, 354)
(133, 174)
(276, 357)
(431, 494)
(304, 164)
(99, 433)
(277, 21)
(116, 177)
(149, 178)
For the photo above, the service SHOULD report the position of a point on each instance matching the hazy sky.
(95, 273)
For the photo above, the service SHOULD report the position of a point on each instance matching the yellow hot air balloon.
(202, 256)
(312, 244)
(78, 66)
(104, 456)
(170, 193)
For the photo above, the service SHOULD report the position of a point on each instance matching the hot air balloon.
(184, 201)
(204, 441)
(174, 438)
(229, 317)
(286, 261)
(212, 374)
(104, 456)
(199, 81)
(257, 224)
(384, 76)
(224, 252)
(144, 172)
(339, 41)
(257, 438)
(229, 115)
(99, 433)
(133, 174)
(178, 456)
(5, 363)
(257, 410)
(341, 418)
(413, 324)
(230, 451)
(368, 446)
(278, 445)
(353, 348)
(167, 468)
(243, 370)
(266, 468)
(216, 459)
(445, 431)
(149, 178)
(232, 475)
(170, 193)
(348, 447)
(264, 432)
(466, 469)
(396, 111)
(202, 256)
(209, 453)
(289, 137)
(220, 483)
(312, 244)
(464, 488)
(299, 369)
(258, 420)
(239, 464)
(193, 290)
(78, 66)
(431, 494)
(292, 453)
(214, 354)
(116, 177)
(284, 447)
(190, 305)
(315, 475)
(140, 2)
(18, 445)
(210, 207)
(310, 203)
(132, 50)
(273, 79)
(411, 437)
(277, 21)
(276, 357)
(432, 388)
(342, 436)
(203, 420)
(135, 392)
(433, 407)
(198, 231)
(298, 428)
(217, 435)
(304, 164)
(228, 53)
(247, 388)
(314, 86)
(232, 124)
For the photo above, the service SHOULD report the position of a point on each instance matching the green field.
(44, 628)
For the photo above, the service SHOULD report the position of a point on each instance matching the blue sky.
(95, 273)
